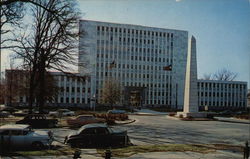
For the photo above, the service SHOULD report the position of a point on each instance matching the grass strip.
(131, 150)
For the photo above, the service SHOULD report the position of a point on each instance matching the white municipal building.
(147, 60)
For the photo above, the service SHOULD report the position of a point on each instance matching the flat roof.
(135, 25)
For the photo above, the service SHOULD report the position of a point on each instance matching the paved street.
(160, 130)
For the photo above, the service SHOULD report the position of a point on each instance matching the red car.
(83, 120)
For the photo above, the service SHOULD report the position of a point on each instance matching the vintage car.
(83, 120)
(22, 136)
(38, 121)
(116, 111)
(97, 135)
(61, 113)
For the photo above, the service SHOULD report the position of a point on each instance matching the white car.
(19, 135)
(61, 113)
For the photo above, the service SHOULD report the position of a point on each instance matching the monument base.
(192, 114)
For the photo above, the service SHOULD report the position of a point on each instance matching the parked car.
(61, 113)
(97, 135)
(4, 114)
(83, 120)
(22, 136)
(38, 121)
(226, 113)
(116, 111)
(21, 113)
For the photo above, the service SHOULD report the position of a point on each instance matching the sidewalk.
(147, 112)
(232, 120)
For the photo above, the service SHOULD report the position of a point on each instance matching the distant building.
(74, 90)
(219, 95)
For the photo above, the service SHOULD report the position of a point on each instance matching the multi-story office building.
(222, 94)
(136, 56)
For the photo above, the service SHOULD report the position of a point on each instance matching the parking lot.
(162, 130)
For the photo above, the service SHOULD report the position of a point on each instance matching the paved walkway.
(91, 154)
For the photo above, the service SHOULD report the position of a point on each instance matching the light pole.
(93, 102)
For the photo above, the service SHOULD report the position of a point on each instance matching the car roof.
(94, 125)
(14, 126)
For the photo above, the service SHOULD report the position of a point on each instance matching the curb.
(129, 122)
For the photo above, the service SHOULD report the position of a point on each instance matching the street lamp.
(93, 101)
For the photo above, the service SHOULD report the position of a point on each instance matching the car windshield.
(110, 130)
(80, 130)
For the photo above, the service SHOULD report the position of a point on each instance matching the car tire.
(37, 145)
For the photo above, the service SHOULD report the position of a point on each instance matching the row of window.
(210, 94)
(206, 103)
(73, 89)
(134, 41)
(73, 100)
(133, 50)
(221, 85)
(137, 58)
(133, 31)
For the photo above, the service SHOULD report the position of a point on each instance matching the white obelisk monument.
(191, 108)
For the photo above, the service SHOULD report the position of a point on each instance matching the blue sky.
(221, 27)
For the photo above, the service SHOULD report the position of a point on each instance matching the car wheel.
(37, 145)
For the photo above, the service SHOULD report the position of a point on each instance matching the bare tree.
(208, 76)
(11, 15)
(52, 43)
(222, 74)
(111, 92)
(225, 75)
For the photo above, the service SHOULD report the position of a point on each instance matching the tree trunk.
(31, 88)
(41, 99)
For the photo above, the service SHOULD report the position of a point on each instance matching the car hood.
(40, 133)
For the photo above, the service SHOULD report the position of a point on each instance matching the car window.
(5, 132)
(16, 132)
(81, 117)
(89, 131)
(25, 132)
(101, 131)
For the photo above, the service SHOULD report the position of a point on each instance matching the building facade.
(219, 95)
(136, 56)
